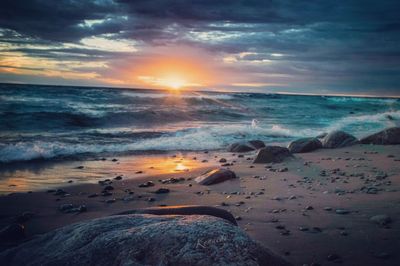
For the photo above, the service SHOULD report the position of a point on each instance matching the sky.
(314, 46)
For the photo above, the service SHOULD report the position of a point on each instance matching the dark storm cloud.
(335, 41)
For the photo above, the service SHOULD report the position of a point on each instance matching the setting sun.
(173, 82)
(174, 73)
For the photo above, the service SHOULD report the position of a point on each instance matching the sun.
(173, 82)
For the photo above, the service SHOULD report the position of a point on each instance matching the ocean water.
(52, 122)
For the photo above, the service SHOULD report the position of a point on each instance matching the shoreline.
(281, 209)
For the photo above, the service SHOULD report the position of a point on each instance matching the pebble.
(147, 184)
(119, 177)
(342, 211)
(162, 191)
(381, 219)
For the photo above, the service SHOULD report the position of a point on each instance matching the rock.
(222, 160)
(215, 176)
(338, 139)
(272, 154)
(342, 211)
(70, 208)
(119, 177)
(246, 146)
(143, 240)
(385, 137)
(12, 233)
(107, 188)
(185, 210)
(147, 184)
(162, 191)
(381, 219)
(304, 145)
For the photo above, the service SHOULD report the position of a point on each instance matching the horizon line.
(217, 91)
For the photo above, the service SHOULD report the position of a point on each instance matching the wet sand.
(313, 208)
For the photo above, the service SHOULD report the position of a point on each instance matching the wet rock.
(143, 240)
(246, 146)
(387, 136)
(215, 176)
(381, 219)
(304, 145)
(272, 154)
(338, 139)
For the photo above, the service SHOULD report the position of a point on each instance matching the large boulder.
(304, 145)
(185, 210)
(215, 176)
(246, 146)
(338, 139)
(143, 240)
(272, 154)
(385, 137)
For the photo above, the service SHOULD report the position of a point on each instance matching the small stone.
(222, 160)
(162, 191)
(147, 184)
(381, 219)
(342, 211)
(118, 177)
(107, 188)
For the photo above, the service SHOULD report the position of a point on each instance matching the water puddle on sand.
(34, 176)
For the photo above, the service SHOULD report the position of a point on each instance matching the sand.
(293, 208)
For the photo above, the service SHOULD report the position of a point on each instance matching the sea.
(40, 122)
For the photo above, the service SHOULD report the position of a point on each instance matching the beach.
(312, 208)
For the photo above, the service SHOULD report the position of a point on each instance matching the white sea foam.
(378, 121)
(203, 138)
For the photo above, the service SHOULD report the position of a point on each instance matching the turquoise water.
(47, 122)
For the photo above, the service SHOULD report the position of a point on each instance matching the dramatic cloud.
(298, 46)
